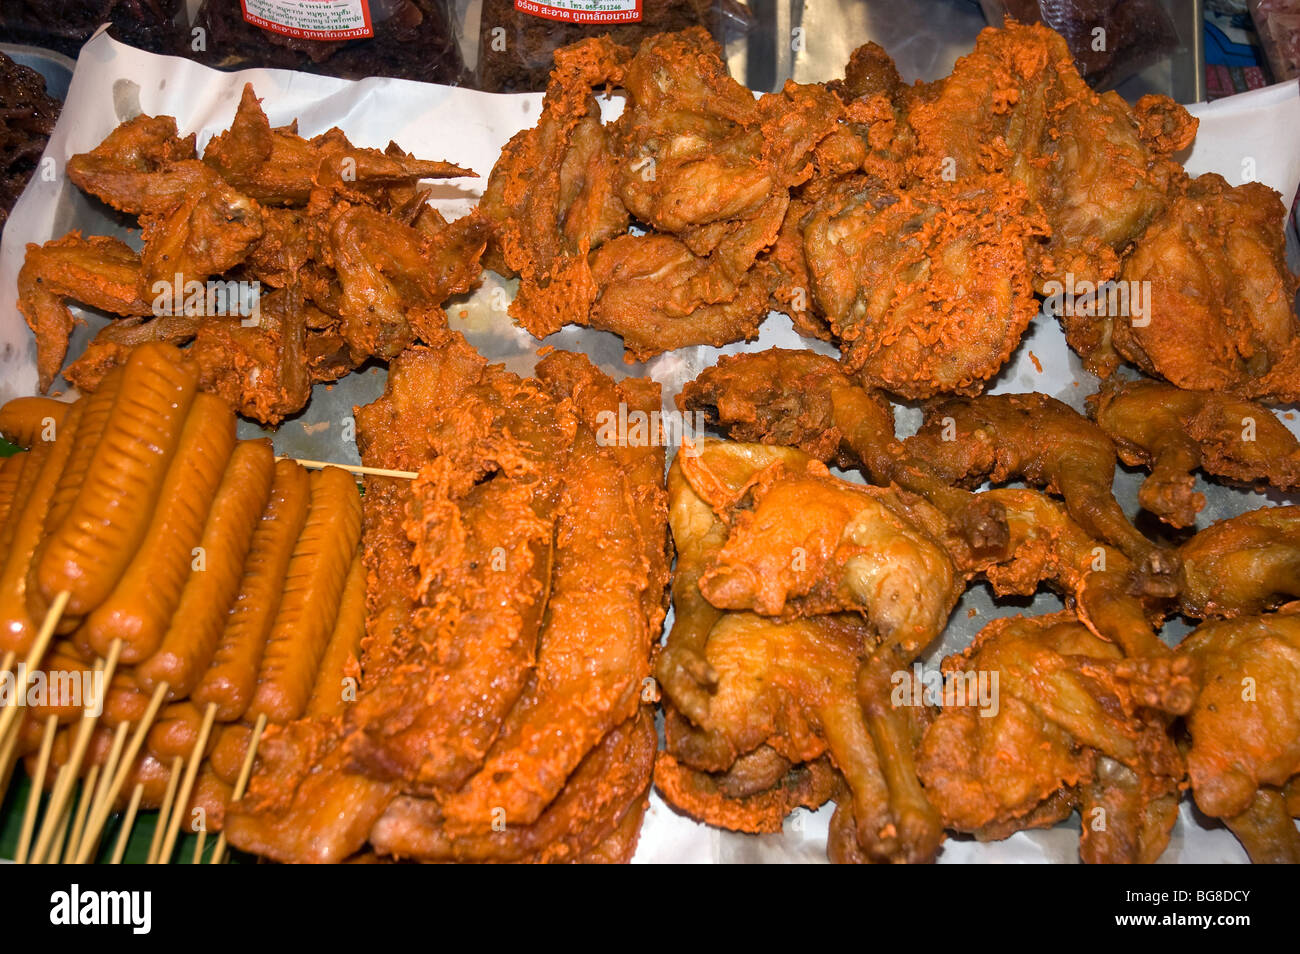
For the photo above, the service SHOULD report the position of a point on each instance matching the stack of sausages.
(226, 580)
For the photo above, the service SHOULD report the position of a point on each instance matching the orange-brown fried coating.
(1244, 564)
(608, 788)
(755, 808)
(551, 195)
(344, 234)
(737, 681)
(1098, 168)
(927, 289)
(1245, 729)
(1173, 433)
(1221, 311)
(1038, 439)
(277, 166)
(806, 400)
(98, 271)
(1066, 706)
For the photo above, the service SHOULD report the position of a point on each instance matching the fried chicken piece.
(395, 278)
(1245, 729)
(277, 166)
(693, 156)
(482, 517)
(928, 289)
(1038, 439)
(808, 543)
(658, 296)
(551, 196)
(603, 614)
(142, 167)
(1065, 700)
(209, 232)
(806, 400)
(302, 806)
(1244, 564)
(1098, 168)
(101, 272)
(747, 680)
(1173, 433)
(760, 809)
(114, 342)
(1221, 310)
(604, 798)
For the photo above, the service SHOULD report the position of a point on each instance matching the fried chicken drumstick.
(1173, 433)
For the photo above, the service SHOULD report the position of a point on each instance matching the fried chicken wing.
(277, 166)
(101, 272)
(142, 167)
(1245, 729)
(1221, 314)
(1241, 565)
(806, 400)
(1173, 433)
(1038, 439)
(395, 278)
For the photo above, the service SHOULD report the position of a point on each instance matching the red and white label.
(583, 11)
(312, 19)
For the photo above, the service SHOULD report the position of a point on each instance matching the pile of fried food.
(279, 261)
(213, 587)
(516, 587)
(516, 558)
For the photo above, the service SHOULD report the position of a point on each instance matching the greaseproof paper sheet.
(1248, 136)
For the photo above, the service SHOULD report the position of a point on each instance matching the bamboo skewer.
(128, 820)
(8, 759)
(164, 810)
(241, 783)
(354, 468)
(79, 816)
(34, 794)
(187, 787)
(64, 817)
(198, 847)
(85, 730)
(104, 806)
(43, 636)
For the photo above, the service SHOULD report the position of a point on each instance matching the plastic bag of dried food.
(27, 117)
(518, 37)
(1111, 40)
(351, 39)
(1278, 25)
(64, 25)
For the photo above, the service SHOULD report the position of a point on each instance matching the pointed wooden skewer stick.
(79, 816)
(9, 744)
(241, 783)
(9, 714)
(354, 468)
(164, 810)
(128, 820)
(8, 759)
(197, 859)
(34, 794)
(84, 731)
(187, 787)
(104, 806)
